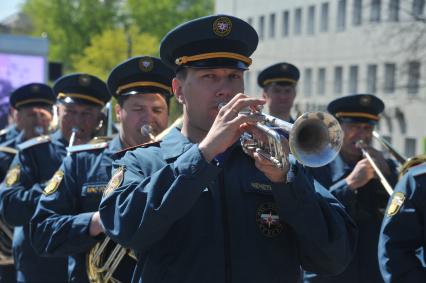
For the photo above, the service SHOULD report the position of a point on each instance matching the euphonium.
(105, 257)
(314, 139)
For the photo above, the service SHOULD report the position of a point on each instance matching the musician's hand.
(361, 175)
(274, 173)
(96, 226)
(227, 127)
(379, 160)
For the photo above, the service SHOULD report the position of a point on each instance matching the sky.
(9, 7)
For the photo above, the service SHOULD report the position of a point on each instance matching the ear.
(117, 110)
(177, 86)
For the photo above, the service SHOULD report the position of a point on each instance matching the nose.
(225, 90)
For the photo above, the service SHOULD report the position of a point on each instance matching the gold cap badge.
(222, 26)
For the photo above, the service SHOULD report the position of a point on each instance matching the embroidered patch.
(13, 175)
(267, 220)
(222, 26)
(53, 184)
(260, 186)
(115, 181)
(396, 203)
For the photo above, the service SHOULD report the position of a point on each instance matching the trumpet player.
(195, 206)
(66, 221)
(352, 180)
(80, 98)
(279, 85)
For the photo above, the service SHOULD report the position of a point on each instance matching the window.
(338, 80)
(271, 25)
(413, 77)
(341, 15)
(371, 78)
(307, 82)
(286, 24)
(394, 10)
(324, 17)
(410, 147)
(261, 27)
(298, 21)
(353, 79)
(321, 81)
(390, 71)
(375, 11)
(357, 13)
(418, 7)
(311, 20)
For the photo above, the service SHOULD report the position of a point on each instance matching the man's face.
(83, 117)
(279, 98)
(139, 110)
(34, 121)
(203, 90)
(353, 133)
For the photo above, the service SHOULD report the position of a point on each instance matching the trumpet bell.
(315, 139)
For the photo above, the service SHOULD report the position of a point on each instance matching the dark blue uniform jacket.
(60, 226)
(366, 207)
(403, 235)
(194, 221)
(37, 164)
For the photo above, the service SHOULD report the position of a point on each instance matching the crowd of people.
(194, 206)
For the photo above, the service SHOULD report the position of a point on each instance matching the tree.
(110, 48)
(70, 24)
(160, 16)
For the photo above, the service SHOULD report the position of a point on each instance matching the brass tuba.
(103, 260)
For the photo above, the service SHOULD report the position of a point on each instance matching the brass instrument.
(74, 132)
(406, 163)
(6, 237)
(315, 138)
(385, 183)
(105, 257)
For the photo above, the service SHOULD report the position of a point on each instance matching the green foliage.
(175, 110)
(160, 16)
(70, 24)
(111, 48)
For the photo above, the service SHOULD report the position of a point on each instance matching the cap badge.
(146, 64)
(284, 67)
(84, 80)
(365, 100)
(35, 88)
(222, 26)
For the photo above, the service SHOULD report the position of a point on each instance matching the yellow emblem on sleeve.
(12, 175)
(115, 181)
(396, 203)
(53, 184)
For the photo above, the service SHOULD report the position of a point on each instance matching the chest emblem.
(267, 220)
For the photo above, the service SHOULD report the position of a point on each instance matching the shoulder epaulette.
(86, 147)
(121, 153)
(7, 149)
(32, 142)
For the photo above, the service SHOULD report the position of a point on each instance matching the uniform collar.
(115, 144)
(338, 168)
(174, 144)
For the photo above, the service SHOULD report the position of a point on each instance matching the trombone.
(360, 144)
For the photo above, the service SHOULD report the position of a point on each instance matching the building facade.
(343, 47)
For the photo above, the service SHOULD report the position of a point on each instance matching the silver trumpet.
(148, 131)
(314, 139)
(74, 132)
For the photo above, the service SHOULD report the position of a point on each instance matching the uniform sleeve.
(401, 235)
(147, 206)
(325, 234)
(18, 200)
(57, 229)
